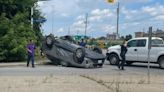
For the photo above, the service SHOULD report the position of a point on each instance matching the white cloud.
(100, 15)
(156, 11)
(134, 1)
(59, 7)
(109, 28)
(79, 23)
(60, 30)
(160, 17)
(129, 14)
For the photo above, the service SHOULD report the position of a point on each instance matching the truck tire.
(161, 62)
(113, 59)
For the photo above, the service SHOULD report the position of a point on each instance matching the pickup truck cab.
(138, 51)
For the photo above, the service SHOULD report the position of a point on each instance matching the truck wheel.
(161, 62)
(113, 59)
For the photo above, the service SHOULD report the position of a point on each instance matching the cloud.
(134, 15)
(157, 11)
(109, 28)
(60, 30)
(160, 17)
(100, 15)
(59, 7)
(134, 1)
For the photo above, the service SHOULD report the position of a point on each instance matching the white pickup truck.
(138, 51)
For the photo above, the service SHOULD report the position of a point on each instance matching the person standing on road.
(122, 54)
(82, 43)
(31, 53)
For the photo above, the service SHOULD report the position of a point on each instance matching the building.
(139, 34)
(111, 36)
(157, 33)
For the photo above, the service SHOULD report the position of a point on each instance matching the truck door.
(132, 52)
(142, 50)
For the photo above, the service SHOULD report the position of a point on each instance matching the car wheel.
(49, 41)
(79, 55)
(98, 50)
(129, 63)
(113, 59)
(161, 62)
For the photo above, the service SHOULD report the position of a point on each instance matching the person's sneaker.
(33, 66)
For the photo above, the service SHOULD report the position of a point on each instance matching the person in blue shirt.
(82, 43)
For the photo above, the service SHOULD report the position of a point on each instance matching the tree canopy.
(15, 28)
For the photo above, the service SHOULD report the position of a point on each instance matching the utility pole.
(69, 31)
(77, 32)
(86, 24)
(148, 58)
(52, 19)
(118, 10)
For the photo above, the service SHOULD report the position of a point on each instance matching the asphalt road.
(48, 69)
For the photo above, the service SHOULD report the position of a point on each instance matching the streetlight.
(86, 24)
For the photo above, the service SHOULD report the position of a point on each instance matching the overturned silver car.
(63, 51)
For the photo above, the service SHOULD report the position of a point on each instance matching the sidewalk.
(12, 64)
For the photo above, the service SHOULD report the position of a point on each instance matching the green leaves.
(15, 28)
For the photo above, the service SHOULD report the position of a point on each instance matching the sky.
(68, 16)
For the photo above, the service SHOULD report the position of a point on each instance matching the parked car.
(138, 51)
(66, 52)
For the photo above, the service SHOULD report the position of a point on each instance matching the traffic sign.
(110, 1)
(40, 20)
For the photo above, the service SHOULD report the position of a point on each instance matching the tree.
(15, 28)
(128, 37)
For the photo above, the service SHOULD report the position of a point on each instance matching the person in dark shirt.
(82, 43)
(122, 54)
(31, 53)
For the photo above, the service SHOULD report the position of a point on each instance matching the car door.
(142, 50)
(131, 54)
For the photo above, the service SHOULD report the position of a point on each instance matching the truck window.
(132, 43)
(156, 42)
(141, 43)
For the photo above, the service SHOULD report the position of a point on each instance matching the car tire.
(161, 62)
(113, 59)
(49, 41)
(79, 55)
(97, 49)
